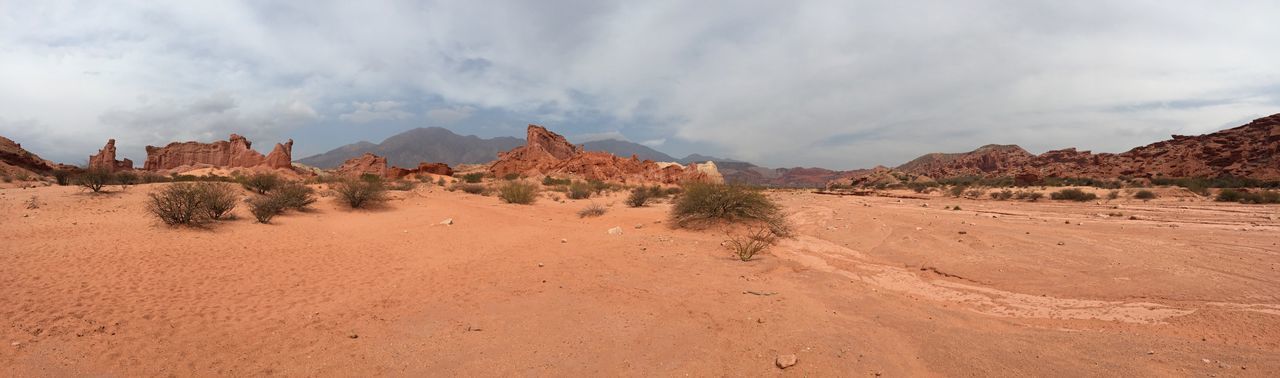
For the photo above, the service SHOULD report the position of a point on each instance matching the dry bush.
(639, 197)
(402, 186)
(592, 210)
(748, 245)
(579, 190)
(265, 207)
(1073, 194)
(360, 193)
(261, 183)
(1145, 195)
(126, 178)
(33, 203)
(703, 202)
(95, 178)
(469, 188)
(518, 192)
(216, 198)
(294, 195)
(1002, 195)
(180, 204)
(472, 178)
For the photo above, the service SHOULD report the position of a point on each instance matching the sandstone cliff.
(548, 154)
(106, 158)
(235, 152)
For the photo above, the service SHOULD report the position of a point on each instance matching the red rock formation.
(548, 153)
(281, 156)
(14, 159)
(1250, 151)
(233, 153)
(377, 165)
(106, 158)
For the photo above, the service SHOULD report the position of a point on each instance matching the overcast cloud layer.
(839, 84)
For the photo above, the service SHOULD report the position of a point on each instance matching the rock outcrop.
(1248, 151)
(548, 154)
(371, 164)
(14, 160)
(236, 152)
(106, 158)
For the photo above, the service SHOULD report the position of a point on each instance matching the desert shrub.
(151, 178)
(1028, 195)
(6, 177)
(294, 196)
(518, 192)
(1241, 196)
(511, 176)
(33, 203)
(94, 179)
(470, 188)
(674, 191)
(579, 190)
(216, 199)
(126, 178)
(1073, 194)
(472, 178)
(261, 183)
(747, 246)
(1002, 195)
(62, 177)
(264, 208)
(974, 193)
(440, 182)
(1113, 194)
(958, 190)
(402, 186)
(592, 210)
(360, 193)
(639, 196)
(702, 202)
(179, 204)
(552, 181)
(1144, 195)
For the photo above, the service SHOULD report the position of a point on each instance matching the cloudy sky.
(838, 84)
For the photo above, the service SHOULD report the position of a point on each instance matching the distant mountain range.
(440, 145)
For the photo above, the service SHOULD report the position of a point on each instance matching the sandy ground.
(92, 285)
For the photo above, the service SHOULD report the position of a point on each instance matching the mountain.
(14, 160)
(626, 149)
(1248, 151)
(699, 158)
(746, 173)
(431, 144)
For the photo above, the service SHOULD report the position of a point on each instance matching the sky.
(838, 84)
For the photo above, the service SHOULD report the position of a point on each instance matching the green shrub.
(179, 204)
(1113, 194)
(958, 190)
(261, 183)
(598, 186)
(1002, 195)
(518, 192)
(1073, 194)
(639, 196)
(62, 177)
(511, 176)
(440, 182)
(217, 199)
(1241, 196)
(1145, 195)
(265, 207)
(702, 203)
(552, 181)
(126, 178)
(402, 186)
(592, 210)
(294, 196)
(579, 190)
(472, 178)
(471, 188)
(360, 193)
(95, 178)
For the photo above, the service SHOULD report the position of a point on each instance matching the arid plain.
(92, 284)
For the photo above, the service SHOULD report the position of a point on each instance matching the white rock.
(785, 361)
(615, 231)
(447, 221)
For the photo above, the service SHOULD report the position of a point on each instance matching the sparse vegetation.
(94, 179)
(958, 190)
(294, 196)
(402, 186)
(552, 181)
(261, 183)
(518, 192)
(440, 182)
(360, 193)
(470, 188)
(1114, 194)
(216, 199)
(592, 210)
(702, 203)
(1002, 195)
(747, 246)
(1028, 195)
(126, 178)
(511, 176)
(33, 203)
(265, 207)
(62, 177)
(1246, 197)
(1145, 195)
(181, 204)
(472, 178)
(579, 190)
(639, 196)
(1073, 194)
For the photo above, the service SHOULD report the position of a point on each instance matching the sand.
(92, 285)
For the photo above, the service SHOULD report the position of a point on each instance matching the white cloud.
(450, 114)
(366, 112)
(826, 82)
(655, 142)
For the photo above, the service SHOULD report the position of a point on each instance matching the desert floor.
(93, 285)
